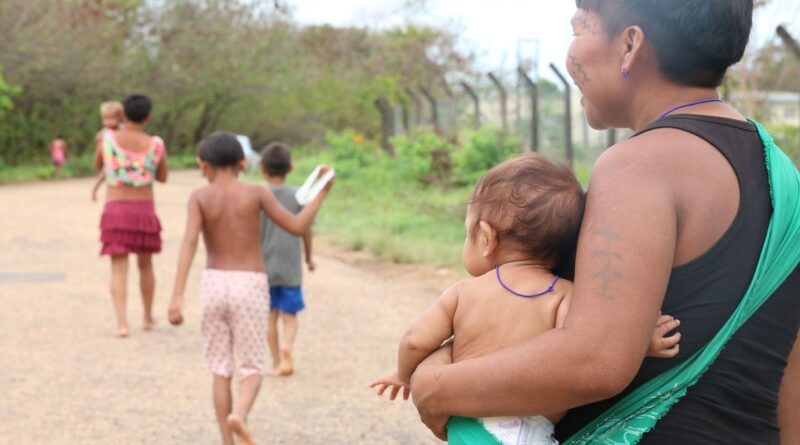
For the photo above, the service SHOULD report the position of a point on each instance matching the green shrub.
(351, 151)
(426, 158)
(788, 138)
(482, 150)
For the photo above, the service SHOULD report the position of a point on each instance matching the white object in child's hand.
(313, 185)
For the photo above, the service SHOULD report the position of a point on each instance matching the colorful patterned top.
(127, 168)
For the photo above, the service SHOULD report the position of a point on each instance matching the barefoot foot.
(148, 324)
(287, 367)
(237, 425)
(122, 331)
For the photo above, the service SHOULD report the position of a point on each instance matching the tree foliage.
(236, 65)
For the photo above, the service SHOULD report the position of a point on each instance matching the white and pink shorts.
(235, 313)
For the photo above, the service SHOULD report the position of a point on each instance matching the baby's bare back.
(489, 318)
(231, 218)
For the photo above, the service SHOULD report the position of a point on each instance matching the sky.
(496, 31)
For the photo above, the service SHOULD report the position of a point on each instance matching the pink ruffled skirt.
(130, 227)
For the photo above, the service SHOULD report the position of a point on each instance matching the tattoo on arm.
(609, 271)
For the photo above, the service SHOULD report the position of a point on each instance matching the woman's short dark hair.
(221, 149)
(696, 41)
(137, 107)
(276, 159)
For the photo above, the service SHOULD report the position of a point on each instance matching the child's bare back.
(230, 213)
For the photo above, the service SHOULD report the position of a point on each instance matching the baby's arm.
(188, 248)
(425, 335)
(662, 346)
(298, 224)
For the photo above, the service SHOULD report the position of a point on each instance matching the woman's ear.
(488, 239)
(633, 43)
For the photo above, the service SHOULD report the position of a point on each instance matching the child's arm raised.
(423, 337)
(194, 224)
(298, 224)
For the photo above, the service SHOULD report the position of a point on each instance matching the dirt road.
(66, 379)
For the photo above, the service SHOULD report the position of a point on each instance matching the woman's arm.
(163, 166)
(789, 406)
(625, 255)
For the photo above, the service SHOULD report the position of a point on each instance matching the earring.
(625, 73)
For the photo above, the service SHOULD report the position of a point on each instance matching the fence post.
(406, 115)
(434, 109)
(611, 137)
(503, 102)
(449, 123)
(387, 124)
(417, 106)
(567, 115)
(476, 103)
(533, 91)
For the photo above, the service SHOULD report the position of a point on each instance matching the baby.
(111, 114)
(523, 216)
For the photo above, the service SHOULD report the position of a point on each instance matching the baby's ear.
(488, 238)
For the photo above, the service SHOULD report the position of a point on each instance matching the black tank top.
(735, 402)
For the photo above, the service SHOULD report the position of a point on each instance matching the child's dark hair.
(534, 204)
(137, 107)
(276, 159)
(221, 150)
(695, 41)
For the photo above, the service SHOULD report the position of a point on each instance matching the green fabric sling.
(626, 422)
(637, 413)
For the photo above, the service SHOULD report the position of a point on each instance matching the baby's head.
(111, 112)
(527, 208)
(276, 160)
(220, 151)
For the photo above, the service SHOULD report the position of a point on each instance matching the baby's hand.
(175, 316)
(662, 346)
(395, 383)
(94, 195)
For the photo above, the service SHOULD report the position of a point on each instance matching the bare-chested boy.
(234, 296)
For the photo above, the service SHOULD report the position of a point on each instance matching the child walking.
(58, 154)
(132, 161)
(282, 260)
(111, 113)
(233, 290)
(523, 215)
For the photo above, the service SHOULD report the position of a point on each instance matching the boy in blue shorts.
(282, 260)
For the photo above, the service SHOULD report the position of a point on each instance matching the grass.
(76, 167)
(372, 210)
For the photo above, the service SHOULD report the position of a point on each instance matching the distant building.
(773, 107)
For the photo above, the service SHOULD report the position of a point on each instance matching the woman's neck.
(652, 103)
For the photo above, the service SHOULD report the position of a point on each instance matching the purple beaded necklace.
(698, 102)
(505, 286)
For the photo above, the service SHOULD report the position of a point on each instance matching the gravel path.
(66, 379)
